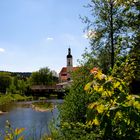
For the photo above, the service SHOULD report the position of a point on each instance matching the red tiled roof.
(64, 69)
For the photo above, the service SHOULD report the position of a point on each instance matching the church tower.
(69, 64)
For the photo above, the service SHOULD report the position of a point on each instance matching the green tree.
(22, 86)
(5, 81)
(43, 77)
(103, 59)
(17, 86)
(106, 30)
(12, 87)
(35, 78)
(129, 68)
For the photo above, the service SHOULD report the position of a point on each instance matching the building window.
(63, 74)
(68, 79)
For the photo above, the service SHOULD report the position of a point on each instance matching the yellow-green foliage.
(7, 98)
(44, 105)
(111, 110)
(13, 134)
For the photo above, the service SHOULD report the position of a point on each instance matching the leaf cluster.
(112, 111)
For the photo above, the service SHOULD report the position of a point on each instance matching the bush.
(112, 111)
(102, 109)
(74, 107)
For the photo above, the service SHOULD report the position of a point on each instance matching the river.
(21, 114)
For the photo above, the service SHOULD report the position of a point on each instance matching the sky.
(37, 33)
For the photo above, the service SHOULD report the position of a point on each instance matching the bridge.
(43, 90)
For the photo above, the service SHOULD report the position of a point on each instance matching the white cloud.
(2, 50)
(50, 39)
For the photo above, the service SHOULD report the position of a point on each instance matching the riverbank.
(21, 115)
(8, 98)
(1, 112)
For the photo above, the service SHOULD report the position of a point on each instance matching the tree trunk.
(111, 34)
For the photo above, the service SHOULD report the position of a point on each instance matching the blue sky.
(37, 33)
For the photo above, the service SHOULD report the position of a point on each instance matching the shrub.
(112, 111)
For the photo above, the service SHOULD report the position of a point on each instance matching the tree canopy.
(43, 77)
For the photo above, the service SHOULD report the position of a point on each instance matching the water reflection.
(22, 115)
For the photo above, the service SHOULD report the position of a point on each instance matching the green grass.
(7, 98)
(43, 105)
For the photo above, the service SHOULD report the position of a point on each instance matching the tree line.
(20, 83)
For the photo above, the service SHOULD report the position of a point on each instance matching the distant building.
(65, 73)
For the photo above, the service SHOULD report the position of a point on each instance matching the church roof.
(64, 69)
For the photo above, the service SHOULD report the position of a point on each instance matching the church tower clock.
(69, 64)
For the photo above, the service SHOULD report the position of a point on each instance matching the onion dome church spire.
(69, 59)
(69, 53)
(69, 64)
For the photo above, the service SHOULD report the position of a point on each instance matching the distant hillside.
(19, 74)
(22, 74)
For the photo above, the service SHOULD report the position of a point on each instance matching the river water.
(22, 115)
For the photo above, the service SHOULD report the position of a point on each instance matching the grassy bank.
(7, 98)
